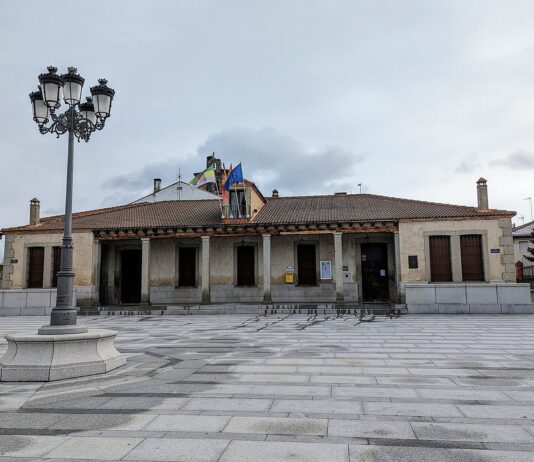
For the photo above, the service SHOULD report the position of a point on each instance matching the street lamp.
(79, 120)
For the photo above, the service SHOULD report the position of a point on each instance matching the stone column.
(47, 269)
(97, 262)
(206, 269)
(338, 266)
(456, 259)
(396, 246)
(145, 270)
(266, 267)
(111, 296)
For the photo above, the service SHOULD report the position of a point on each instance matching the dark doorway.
(56, 264)
(307, 265)
(131, 276)
(187, 266)
(471, 251)
(35, 267)
(375, 281)
(245, 266)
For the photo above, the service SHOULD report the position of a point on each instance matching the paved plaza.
(287, 388)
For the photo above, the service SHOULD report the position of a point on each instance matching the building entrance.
(375, 285)
(131, 276)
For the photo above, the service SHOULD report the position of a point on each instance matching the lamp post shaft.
(64, 313)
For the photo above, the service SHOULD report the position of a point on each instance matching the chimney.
(35, 211)
(157, 185)
(482, 194)
(275, 193)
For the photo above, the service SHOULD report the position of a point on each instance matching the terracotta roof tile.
(360, 207)
(283, 210)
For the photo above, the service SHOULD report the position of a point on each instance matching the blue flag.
(235, 176)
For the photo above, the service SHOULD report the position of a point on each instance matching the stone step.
(338, 309)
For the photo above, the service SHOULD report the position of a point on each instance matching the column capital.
(205, 238)
(266, 235)
(145, 239)
(337, 233)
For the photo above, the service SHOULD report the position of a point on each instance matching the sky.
(411, 98)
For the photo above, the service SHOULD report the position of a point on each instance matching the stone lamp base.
(44, 358)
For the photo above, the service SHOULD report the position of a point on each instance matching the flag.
(235, 176)
(207, 176)
(224, 193)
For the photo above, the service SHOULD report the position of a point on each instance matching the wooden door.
(307, 265)
(245, 266)
(187, 267)
(440, 258)
(35, 267)
(375, 281)
(471, 251)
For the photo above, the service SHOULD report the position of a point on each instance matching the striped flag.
(207, 176)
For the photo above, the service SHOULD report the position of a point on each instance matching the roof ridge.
(404, 199)
(524, 225)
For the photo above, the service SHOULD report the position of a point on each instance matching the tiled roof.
(525, 230)
(361, 207)
(144, 215)
(283, 210)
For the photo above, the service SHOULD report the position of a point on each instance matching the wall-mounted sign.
(13, 260)
(382, 272)
(495, 250)
(412, 262)
(345, 268)
(326, 269)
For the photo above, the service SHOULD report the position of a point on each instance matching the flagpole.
(244, 189)
(218, 195)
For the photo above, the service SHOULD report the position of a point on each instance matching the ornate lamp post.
(66, 350)
(79, 120)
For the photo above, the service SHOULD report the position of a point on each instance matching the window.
(306, 265)
(471, 250)
(35, 267)
(56, 264)
(440, 258)
(187, 266)
(238, 205)
(246, 274)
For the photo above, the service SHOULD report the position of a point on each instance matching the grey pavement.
(286, 388)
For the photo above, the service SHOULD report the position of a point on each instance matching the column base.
(42, 358)
(61, 330)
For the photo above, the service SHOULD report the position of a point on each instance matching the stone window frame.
(196, 246)
(456, 254)
(237, 244)
(47, 264)
(317, 243)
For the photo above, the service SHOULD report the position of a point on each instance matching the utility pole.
(530, 200)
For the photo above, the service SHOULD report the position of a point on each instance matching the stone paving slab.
(237, 387)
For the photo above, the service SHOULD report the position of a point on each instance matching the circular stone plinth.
(32, 357)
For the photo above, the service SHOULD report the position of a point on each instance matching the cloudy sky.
(413, 99)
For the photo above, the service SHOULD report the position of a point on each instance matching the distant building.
(179, 191)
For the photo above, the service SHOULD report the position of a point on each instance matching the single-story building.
(340, 248)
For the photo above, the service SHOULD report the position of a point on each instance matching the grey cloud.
(128, 187)
(468, 165)
(269, 158)
(517, 160)
(276, 160)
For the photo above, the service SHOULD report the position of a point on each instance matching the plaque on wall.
(412, 262)
(326, 269)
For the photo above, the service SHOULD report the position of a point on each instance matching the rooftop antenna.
(530, 200)
(360, 186)
(179, 188)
